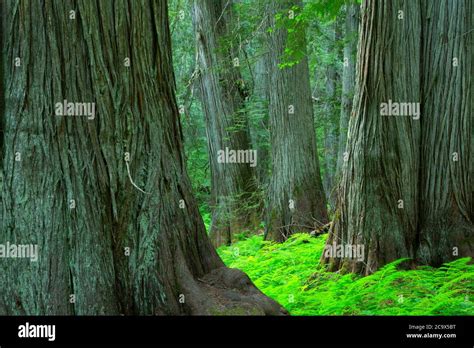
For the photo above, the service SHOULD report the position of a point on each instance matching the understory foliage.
(290, 274)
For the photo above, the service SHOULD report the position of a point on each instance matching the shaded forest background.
(330, 51)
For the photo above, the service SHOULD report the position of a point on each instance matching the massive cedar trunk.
(70, 192)
(402, 195)
(447, 144)
(296, 200)
(222, 94)
(351, 28)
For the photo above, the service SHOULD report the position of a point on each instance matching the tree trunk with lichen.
(68, 187)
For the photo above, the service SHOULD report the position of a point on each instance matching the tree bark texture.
(171, 267)
(402, 192)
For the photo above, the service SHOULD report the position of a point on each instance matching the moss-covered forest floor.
(289, 273)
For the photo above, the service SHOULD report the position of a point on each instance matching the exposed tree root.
(234, 294)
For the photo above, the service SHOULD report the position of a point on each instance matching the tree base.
(229, 291)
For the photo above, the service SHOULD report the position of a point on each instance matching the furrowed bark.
(383, 151)
(447, 176)
(407, 187)
(172, 268)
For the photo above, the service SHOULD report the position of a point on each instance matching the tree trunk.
(222, 94)
(396, 191)
(447, 149)
(105, 247)
(296, 199)
(259, 131)
(351, 36)
(330, 129)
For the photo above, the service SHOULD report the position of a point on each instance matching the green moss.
(290, 273)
